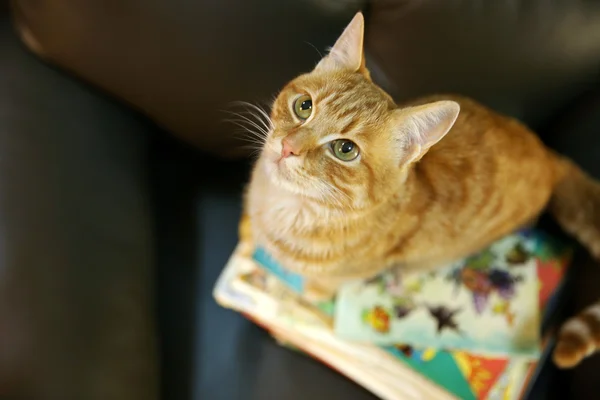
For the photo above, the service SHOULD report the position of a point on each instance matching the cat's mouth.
(283, 171)
(280, 170)
(272, 161)
(271, 151)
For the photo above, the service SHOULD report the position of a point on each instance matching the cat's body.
(349, 184)
(459, 197)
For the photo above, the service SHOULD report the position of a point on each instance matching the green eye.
(345, 150)
(303, 107)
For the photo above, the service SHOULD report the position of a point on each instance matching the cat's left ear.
(417, 129)
(347, 52)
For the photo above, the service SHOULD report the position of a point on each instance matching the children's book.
(487, 304)
(264, 292)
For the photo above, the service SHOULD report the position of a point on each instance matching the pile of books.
(475, 329)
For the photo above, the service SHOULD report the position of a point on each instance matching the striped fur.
(578, 338)
(418, 196)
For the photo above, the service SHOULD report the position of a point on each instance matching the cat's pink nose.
(287, 149)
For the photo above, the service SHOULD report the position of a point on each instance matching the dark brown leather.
(525, 58)
(182, 62)
(76, 245)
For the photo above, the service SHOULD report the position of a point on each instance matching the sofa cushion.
(525, 58)
(183, 62)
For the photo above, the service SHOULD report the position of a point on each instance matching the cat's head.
(339, 138)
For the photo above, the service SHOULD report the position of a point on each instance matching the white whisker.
(254, 136)
(247, 120)
(264, 125)
(262, 115)
(248, 134)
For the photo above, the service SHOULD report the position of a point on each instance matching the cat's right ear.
(418, 128)
(347, 52)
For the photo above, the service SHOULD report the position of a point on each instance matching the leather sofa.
(120, 183)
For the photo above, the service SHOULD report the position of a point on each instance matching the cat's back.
(488, 167)
(488, 175)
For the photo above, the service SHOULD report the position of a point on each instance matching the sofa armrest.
(76, 265)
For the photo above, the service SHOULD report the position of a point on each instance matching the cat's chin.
(278, 173)
(272, 170)
(279, 176)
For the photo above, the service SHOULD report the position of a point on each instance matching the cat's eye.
(344, 149)
(303, 107)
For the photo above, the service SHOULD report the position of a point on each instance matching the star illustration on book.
(445, 318)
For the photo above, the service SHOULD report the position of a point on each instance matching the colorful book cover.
(487, 304)
(465, 375)
(472, 376)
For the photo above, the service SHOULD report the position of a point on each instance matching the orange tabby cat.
(349, 184)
